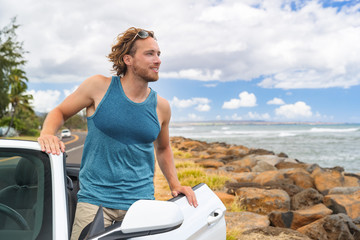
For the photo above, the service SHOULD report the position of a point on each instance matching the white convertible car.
(38, 201)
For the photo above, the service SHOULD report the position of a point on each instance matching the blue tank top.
(117, 166)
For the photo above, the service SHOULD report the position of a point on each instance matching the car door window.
(25, 195)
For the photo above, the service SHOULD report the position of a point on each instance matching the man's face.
(146, 61)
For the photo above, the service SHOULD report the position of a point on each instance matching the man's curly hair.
(124, 45)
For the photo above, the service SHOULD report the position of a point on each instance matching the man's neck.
(137, 90)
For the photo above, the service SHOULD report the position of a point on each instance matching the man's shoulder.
(98, 79)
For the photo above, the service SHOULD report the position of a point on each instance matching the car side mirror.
(152, 215)
(144, 217)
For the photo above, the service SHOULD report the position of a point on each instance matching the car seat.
(22, 196)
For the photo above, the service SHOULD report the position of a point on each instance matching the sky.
(273, 60)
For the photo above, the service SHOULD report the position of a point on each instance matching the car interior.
(25, 195)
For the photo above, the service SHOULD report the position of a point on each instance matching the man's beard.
(145, 74)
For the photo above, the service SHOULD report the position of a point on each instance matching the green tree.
(15, 108)
(11, 57)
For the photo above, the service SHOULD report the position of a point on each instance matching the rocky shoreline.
(279, 197)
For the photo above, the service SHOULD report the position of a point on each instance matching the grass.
(182, 155)
(235, 206)
(190, 174)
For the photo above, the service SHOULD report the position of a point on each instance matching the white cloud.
(67, 92)
(45, 101)
(194, 74)
(201, 104)
(299, 110)
(203, 108)
(245, 100)
(276, 101)
(310, 47)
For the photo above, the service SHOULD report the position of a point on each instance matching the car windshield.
(25, 195)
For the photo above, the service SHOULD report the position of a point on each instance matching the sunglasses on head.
(142, 34)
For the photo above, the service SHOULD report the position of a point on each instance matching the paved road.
(74, 147)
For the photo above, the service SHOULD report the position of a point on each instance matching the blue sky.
(273, 60)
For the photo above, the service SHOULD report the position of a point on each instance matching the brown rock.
(270, 159)
(338, 226)
(263, 201)
(269, 176)
(285, 185)
(343, 190)
(351, 181)
(302, 179)
(245, 220)
(327, 179)
(341, 203)
(260, 151)
(227, 199)
(286, 165)
(305, 199)
(247, 161)
(210, 163)
(245, 176)
(263, 166)
(299, 218)
(273, 233)
(235, 168)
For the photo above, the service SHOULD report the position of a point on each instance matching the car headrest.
(25, 173)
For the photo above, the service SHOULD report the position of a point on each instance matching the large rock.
(263, 201)
(343, 190)
(300, 177)
(305, 199)
(268, 176)
(325, 179)
(210, 163)
(341, 203)
(243, 221)
(338, 226)
(263, 166)
(245, 176)
(272, 233)
(299, 218)
(287, 164)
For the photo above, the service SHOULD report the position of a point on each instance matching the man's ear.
(127, 59)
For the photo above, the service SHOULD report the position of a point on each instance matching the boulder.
(299, 218)
(263, 201)
(302, 179)
(344, 203)
(327, 179)
(305, 199)
(247, 161)
(273, 233)
(263, 166)
(268, 176)
(269, 159)
(290, 164)
(260, 151)
(343, 190)
(245, 220)
(245, 176)
(351, 181)
(337, 226)
(226, 198)
(210, 163)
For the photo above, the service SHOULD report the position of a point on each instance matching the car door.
(25, 193)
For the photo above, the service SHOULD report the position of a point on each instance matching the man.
(126, 120)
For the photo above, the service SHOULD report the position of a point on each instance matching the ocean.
(327, 145)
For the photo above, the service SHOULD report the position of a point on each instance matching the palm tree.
(17, 95)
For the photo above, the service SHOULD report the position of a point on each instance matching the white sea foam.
(334, 129)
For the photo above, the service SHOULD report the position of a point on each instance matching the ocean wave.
(334, 129)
